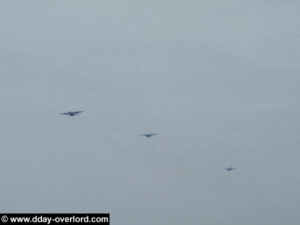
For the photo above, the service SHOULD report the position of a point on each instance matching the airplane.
(72, 113)
(149, 135)
(229, 168)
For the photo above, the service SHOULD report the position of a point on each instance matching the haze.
(218, 80)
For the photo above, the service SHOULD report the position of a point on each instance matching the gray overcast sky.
(218, 80)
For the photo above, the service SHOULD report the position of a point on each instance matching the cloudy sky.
(218, 80)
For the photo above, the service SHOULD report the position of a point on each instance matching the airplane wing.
(77, 112)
